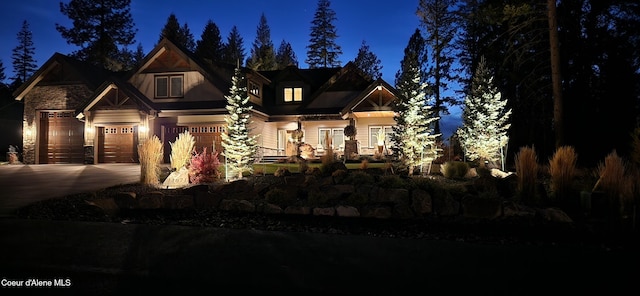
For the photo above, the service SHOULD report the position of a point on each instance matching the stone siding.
(48, 97)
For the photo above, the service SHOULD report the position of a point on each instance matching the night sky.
(385, 28)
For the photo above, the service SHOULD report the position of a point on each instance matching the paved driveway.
(21, 185)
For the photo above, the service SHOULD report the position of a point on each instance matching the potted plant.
(351, 145)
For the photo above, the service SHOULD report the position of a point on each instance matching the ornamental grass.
(151, 153)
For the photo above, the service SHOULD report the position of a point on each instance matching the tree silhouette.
(368, 61)
(323, 52)
(99, 29)
(24, 65)
(263, 56)
(210, 44)
(286, 56)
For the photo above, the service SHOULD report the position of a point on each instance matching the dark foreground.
(99, 258)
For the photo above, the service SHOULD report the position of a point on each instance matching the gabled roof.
(115, 83)
(219, 74)
(91, 75)
(379, 87)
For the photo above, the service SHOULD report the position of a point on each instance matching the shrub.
(181, 150)
(204, 167)
(281, 172)
(527, 172)
(339, 176)
(357, 178)
(454, 169)
(278, 197)
(562, 167)
(150, 153)
(392, 181)
(303, 166)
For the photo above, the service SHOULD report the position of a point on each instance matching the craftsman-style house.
(76, 113)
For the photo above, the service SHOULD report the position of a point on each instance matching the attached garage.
(61, 138)
(117, 144)
(208, 136)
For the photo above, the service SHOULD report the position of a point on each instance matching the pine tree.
(3, 76)
(368, 61)
(239, 146)
(210, 45)
(263, 55)
(138, 55)
(323, 52)
(413, 137)
(171, 30)
(180, 35)
(439, 20)
(24, 65)
(286, 56)
(485, 119)
(234, 49)
(99, 28)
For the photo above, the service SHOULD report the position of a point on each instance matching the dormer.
(256, 86)
(292, 92)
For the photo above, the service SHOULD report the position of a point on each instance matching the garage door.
(204, 136)
(116, 144)
(61, 138)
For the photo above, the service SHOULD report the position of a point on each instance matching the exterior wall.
(311, 129)
(51, 97)
(362, 128)
(196, 87)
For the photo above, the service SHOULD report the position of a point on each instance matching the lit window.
(373, 135)
(336, 135)
(169, 86)
(254, 89)
(293, 94)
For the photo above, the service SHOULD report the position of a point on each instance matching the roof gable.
(60, 68)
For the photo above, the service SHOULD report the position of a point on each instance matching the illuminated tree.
(239, 146)
(485, 119)
(413, 137)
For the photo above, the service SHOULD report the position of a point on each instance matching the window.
(169, 86)
(335, 134)
(373, 135)
(293, 94)
(254, 88)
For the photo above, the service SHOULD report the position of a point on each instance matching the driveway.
(24, 184)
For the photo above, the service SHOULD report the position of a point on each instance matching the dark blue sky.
(385, 25)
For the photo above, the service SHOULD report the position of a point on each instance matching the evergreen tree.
(138, 55)
(263, 55)
(210, 45)
(188, 40)
(368, 61)
(412, 135)
(234, 49)
(171, 30)
(439, 21)
(180, 35)
(239, 146)
(485, 119)
(24, 65)
(286, 56)
(323, 52)
(99, 28)
(3, 76)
